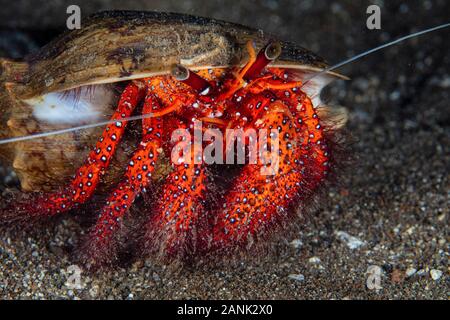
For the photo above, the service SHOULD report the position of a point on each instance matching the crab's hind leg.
(100, 247)
(171, 230)
(40, 205)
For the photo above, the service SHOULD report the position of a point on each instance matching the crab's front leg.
(101, 246)
(171, 230)
(81, 188)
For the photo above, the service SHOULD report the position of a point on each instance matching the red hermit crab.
(171, 72)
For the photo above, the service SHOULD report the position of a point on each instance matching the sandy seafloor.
(394, 200)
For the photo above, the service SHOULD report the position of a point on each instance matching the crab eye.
(76, 106)
(192, 79)
(268, 54)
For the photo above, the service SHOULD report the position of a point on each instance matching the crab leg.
(170, 229)
(100, 245)
(88, 176)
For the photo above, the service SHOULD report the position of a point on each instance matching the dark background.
(395, 197)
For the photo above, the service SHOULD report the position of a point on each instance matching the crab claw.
(258, 202)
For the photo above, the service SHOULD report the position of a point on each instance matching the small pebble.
(435, 274)
(314, 260)
(351, 241)
(410, 272)
(156, 277)
(93, 292)
(421, 272)
(296, 243)
(297, 277)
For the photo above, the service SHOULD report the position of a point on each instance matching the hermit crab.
(125, 94)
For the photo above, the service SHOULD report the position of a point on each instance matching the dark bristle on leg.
(23, 211)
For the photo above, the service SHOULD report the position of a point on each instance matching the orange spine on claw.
(257, 202)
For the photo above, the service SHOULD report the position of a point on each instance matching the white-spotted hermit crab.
(174, 70)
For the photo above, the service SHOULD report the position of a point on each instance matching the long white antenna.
(365, 53)
(72, 129)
